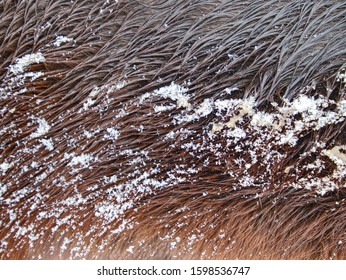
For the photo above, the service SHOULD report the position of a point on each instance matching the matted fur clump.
(172, 129)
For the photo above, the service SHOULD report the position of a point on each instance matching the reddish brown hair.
(172, 129)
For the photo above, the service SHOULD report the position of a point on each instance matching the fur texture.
(172, 129)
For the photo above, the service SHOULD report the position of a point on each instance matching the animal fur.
(172, 129)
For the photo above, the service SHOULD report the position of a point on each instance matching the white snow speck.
(341, 77)
(48, 143)
(83, 160)
(236, 133)
(163, 108)
(60, 40)
(43, 128)
(89, 102)
(120, 85)
(3, 189)
(25, 61)
(130, 249)
(112, 134)
(229, 90)
(174, 92)
(5, 166)
(262, 119)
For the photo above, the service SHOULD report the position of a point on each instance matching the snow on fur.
(129, 131)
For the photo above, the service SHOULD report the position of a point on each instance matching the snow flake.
(112, 134)
(130, 249)
(5, 166)
(48, 143)
(83, 160)
(25, 61)
(60, 40)
(3, 189)
(43, 128)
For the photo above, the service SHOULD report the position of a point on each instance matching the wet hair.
(172, 129)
